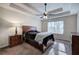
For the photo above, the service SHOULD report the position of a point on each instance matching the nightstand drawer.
(15, 40)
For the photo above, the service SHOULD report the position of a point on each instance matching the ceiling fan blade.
(60, 13)
(32, 7)
(55, 10)
(38, 14)
(41, 17)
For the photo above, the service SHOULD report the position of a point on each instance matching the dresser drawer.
(15, 40)
(75, 45)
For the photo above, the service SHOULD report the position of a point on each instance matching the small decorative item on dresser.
(15, 40)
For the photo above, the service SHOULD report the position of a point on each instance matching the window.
(56, 27)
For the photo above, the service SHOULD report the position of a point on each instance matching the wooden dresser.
(15, 40)
(75, 44)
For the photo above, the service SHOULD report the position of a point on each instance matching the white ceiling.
(36, 8)
(50, 6)
(19, 12)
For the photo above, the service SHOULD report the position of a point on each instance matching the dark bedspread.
(30, 36)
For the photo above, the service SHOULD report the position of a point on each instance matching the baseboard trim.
(63, 40)
(4, 47)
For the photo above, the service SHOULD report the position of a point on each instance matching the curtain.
(56, 27)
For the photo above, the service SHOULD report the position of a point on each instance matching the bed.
(30, 35)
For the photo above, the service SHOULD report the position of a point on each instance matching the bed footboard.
(35, 44)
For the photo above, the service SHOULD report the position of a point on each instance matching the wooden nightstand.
(15, 40)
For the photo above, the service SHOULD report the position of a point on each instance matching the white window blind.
(56, 27)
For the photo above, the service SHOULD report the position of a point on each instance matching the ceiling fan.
(46, 14)
(53, 13)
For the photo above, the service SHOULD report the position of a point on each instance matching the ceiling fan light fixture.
(45, 12)
(45, 17)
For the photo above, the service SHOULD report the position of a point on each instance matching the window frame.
(56, 31)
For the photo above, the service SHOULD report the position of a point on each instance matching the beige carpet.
(60, 47)
(23, 49)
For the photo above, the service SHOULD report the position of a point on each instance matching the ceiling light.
(45, 17)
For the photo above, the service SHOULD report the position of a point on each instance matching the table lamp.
(16, 26)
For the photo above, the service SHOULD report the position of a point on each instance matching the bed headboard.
(28, 28)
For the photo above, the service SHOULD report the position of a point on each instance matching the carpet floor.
(23, 49)
(60, 47)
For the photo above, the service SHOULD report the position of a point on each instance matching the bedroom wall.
(70, 25)
(78, 22)
(8, 20)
